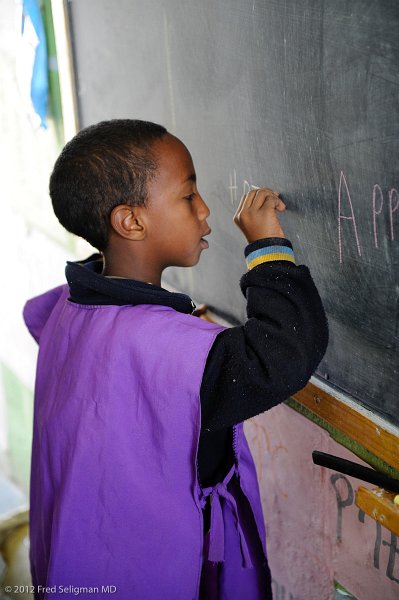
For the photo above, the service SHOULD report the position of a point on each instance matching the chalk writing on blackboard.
(234, 190)
(346, 211)
(377, 211)
(393, 194)
(233, 187)
(342, 182)
(393, 205)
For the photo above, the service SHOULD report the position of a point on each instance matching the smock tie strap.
(216, 540)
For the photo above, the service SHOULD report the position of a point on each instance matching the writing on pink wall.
(380, 204)
(345, 496)
(316, 534)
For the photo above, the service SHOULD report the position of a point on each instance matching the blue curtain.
(39, 81)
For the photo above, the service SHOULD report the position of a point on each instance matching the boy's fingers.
(281, 206)
(274, 202)
(265, 195)
(256, 198)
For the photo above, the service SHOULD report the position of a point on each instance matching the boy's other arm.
(253, 367)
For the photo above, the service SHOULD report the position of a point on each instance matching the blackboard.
(298, 95)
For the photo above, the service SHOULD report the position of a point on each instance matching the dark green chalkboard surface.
(298, 95)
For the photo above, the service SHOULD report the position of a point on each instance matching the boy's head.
(120, 182)
(103, 166)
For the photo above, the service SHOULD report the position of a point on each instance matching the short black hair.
(104, 165)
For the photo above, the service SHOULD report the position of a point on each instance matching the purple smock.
(115, 495)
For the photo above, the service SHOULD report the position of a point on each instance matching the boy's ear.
(127, 221)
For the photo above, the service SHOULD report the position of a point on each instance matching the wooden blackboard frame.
(368, 431)
(363, 426)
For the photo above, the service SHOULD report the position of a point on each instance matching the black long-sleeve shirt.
(250, 368)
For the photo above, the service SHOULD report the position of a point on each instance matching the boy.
(141, 476)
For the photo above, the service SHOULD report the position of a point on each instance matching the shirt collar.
(88, 286)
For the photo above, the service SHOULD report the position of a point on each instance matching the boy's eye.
(190, 197)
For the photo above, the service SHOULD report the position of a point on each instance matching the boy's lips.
(204, 243)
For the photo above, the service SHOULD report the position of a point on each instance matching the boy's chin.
(190, 262)
(195, 261)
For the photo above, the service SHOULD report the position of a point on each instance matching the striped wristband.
(267, 250)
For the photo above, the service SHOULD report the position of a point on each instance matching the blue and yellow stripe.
(269, 254)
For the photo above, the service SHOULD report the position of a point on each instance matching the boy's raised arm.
(255, 366)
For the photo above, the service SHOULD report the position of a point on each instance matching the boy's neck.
(137, 271)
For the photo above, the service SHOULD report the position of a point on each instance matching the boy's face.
(176, 213)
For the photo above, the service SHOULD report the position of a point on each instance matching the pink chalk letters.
(346, 212)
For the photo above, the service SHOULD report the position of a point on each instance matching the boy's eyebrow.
(192, 177)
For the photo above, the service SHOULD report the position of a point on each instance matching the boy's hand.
(256, 214)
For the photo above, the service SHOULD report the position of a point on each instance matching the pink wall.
(315, 532)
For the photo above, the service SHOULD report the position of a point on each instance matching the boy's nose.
(203, 210)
